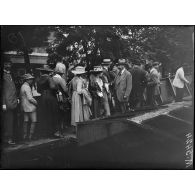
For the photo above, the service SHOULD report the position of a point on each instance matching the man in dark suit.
(139, 82)
(123, 85)
(153, 86)
(9, 102)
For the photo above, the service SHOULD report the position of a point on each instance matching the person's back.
(178, 82)
(43, 83)
(46, 83)
(60, 83)
(154, 75)
(138, 77)
(60, 67)
(139, 81)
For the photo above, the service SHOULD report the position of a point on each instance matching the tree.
(89, 43)
(170, 45)
(23, 38)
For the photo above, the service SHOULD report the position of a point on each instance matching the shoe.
(32, 137)
(11, 142)
(54, 136)
(25, 137)
(57, 134)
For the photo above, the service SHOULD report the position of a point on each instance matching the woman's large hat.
(96, 69)
(45, 68)
(79, 70)
(28, 76)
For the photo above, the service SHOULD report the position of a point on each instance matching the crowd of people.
(66, 97)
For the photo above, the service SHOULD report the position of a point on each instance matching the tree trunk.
(26, 59)
(25, 51)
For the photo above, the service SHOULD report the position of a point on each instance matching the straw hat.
(96, 69)
(106, 62)
(122, 62)
(28, 77)
(79, 70)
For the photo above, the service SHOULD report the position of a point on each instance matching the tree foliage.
(170, 45)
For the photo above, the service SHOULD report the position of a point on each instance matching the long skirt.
(86, 112)
(76, 109)
(49, 114)
(101, 106)
(96, 107)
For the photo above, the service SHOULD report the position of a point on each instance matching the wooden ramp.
(154, 140)
(144, 139)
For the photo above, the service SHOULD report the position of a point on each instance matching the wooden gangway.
(95, 142)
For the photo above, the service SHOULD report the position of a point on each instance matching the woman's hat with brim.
(28, 77)
(79, 70)
(96, 69)
(45, 68)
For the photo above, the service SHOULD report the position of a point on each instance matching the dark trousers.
(8, 122)
(151, 96)
(179, 94)
(158, 99)
(136, 99)
(124, 107)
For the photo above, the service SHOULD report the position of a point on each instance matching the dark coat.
(9, 91)
(48, 104)
(139, 82)
(139, 78)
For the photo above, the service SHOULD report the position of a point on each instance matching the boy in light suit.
(28, 106)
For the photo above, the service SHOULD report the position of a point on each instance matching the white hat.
(121, 61)
(79, 70)
(106, 62)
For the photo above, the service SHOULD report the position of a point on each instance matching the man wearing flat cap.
(123, 85)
